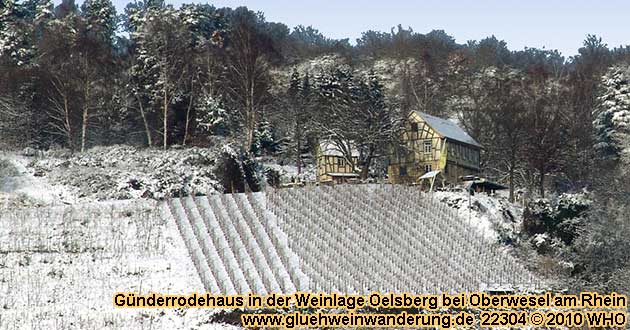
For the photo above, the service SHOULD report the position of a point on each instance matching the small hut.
(334, 165)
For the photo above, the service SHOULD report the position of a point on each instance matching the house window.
(427, 168)
(414, 127)
(340, 161)
(427, 147)
(403, 171)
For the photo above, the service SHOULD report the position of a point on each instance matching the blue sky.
(552, 24)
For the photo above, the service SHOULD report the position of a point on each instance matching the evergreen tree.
(101, 19)
(612, 117)
(16, 32)
(298, 95)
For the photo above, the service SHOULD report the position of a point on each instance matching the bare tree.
(163, 42)
(248, 70)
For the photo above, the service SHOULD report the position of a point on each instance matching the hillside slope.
(351, 238)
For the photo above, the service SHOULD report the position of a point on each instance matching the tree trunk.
(66, 109)
(190, 103)
(298, 157)
(145, 122)
(251, 116)
(365, 170)
(85, 117)
(511, 176)
(165, 120)
(542, 183)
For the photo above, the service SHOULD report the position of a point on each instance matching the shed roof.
(448, 129)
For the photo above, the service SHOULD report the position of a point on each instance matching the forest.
(158, 76)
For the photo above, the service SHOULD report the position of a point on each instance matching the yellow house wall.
(329, 164)
(462, 160)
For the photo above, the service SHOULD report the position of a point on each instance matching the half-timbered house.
(333, 165)
(431, 144)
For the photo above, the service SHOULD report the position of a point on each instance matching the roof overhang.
(430, 174)
(347, 175)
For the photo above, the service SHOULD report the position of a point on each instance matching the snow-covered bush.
(560, 217)
(601, 257)
(238, 171)
(7, 169)
(124, 172)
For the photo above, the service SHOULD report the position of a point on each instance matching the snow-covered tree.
(101, 19)
(298, 119)
(612, 118)
(16, 32)
(44, 11)
(162, 54)
(211, 117)
(264, 139)
(377, 123)
(353, 113)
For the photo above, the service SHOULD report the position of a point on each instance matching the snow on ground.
(493, 216)
(60, 266)
(289, 174)
(19, 184)
(63, 255)
(111, 173)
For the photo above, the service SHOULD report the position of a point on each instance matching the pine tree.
(16, 32)
(264, 140)
(297, 102)
(101, 19)
(375, 122)
(44, 11)
(612, 118)
(211, 117)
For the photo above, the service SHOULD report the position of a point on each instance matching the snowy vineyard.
(352, 238)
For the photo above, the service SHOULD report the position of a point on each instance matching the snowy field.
(59, 267)
(62, 256)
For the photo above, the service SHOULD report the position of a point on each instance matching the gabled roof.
(329, 148)
(448, 129)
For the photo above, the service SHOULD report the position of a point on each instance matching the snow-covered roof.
(430, 174)
(448, 129)
(349, 175)
(329, 148)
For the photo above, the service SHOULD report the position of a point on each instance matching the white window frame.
(428, 144)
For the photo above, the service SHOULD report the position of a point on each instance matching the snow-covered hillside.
(63, 253)
(493, 216)
(109, 173)
(20, 185)
(316, 238)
